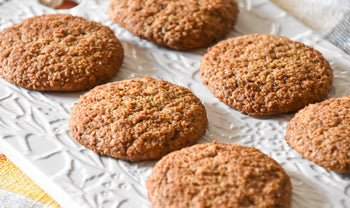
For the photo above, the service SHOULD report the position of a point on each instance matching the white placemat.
(34, 131)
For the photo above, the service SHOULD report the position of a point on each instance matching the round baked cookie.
(178, 24)
(321, 133)
(138, 119)
(218, 175)
(59, 52)
(263, 74)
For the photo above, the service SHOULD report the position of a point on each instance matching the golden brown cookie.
(59, 52)
(262, 74)
(321, 133)
(219, 175)
(178, 24)
(138, 119)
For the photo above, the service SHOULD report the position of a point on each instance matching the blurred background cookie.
(218, 175)
(178, 24)
(321, 133)
(59, 52)
(263, 74)
(138, 119)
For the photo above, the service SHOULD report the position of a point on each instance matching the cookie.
(263, 74)
(178, 24)
(218, 175)
(59, 52)
(321, 133)
(138, 119)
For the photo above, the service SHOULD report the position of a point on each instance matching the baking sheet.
(34, 130)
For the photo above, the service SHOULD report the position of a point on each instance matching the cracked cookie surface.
(178, 24)
(138, 119)
(321, 133)
(218, 175)
(59, 52)
(263, 74)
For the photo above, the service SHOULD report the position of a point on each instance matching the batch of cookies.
(146, 119)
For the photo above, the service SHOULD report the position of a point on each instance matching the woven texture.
(330, 18)
(14, 180)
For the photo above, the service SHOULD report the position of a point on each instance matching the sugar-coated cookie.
(138, 119)
(321, 133)
(263, 74)
(178, 24)
(218, 175)
(59, 52)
